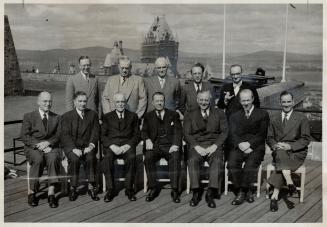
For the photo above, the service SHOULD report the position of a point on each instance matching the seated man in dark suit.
(162, 133)
(248, 130)
(40, 135)
(79, 138)
(205, 130)
(120, 135)
(288, 137)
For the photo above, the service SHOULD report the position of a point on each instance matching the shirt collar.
(237, 85)
(42, 113)
(196, 85)
(251, 110)
(84, 76)
(79, 113)
(288, 114)
(207, 111)
(160, 78)
(120, 114)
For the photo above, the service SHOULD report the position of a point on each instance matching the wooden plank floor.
(163, 210)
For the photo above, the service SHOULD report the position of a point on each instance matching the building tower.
(160, 42)
(13, 83)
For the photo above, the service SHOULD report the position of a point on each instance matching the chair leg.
(188, 183)
(259, 181)
(28, 176)
(226, 179)
(302, 186)
(103, 183)
(145, 179)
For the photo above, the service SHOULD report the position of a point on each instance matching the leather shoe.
(152, 195)
(32, 201)
(249, 197)
(175, 195)
(108, 197)
(130, 195)
(209, 199)
(239, 199)
(273, 205)
(53, 203)
(291, 189)
(73, 194)
(94, 195)
(195, 199)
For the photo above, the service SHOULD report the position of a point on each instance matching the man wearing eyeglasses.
(229, 93)
(169, 86)
(84, 81)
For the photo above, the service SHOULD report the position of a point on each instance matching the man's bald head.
(44, 101)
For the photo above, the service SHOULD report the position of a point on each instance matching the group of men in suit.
(207, 130)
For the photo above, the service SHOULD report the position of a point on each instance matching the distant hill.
(272, 60)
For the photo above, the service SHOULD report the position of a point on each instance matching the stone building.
(13, 84)
(160, 42)
(112, 59)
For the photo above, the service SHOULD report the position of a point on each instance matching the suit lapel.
(91, 85)
(130, 87)
(199, 119)
(290, 123)
(39, 122)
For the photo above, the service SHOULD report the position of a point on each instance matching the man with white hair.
(40, 134)
(205, 131)
(131, 85)
(169, 86)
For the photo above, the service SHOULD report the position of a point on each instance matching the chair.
(119, 162)
(301, 170)
(257, 184)
(188, 182)
(64, 163)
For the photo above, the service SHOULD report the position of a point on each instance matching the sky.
(199, 28)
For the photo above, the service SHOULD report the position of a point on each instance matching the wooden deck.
(162, 209)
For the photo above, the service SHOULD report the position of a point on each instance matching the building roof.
(159, 30)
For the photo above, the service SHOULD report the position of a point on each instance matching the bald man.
(40, 134)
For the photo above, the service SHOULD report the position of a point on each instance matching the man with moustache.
(190, 90)
(205, 131)
(120, 135)
(131, 85)
(40, 134)
(248, 130)
(162, 133)
(169, 86)
(84, 81)
(79, 138)
(288, 137)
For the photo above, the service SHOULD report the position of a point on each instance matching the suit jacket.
(296, 133)
(172, 126)
(73, 136)
(189, 95)
(33, 130)
(134, 91)
(120, 132)
(198, 132)
(234, 104)
(252, 130)
(91, 88)
(171, 90)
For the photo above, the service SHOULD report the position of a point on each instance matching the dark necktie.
(247, 114)
(205, 116)
(159, 115)
(285, 120)
(120, 115)
(124, 80)
(45, 121)
(197, 88)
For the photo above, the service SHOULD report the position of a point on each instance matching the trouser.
(130, 166)
(38, 160)
(74, 163)
(194, 163)
(243, 177)
(174, 165)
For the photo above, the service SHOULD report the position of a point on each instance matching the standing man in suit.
(120, 135)
(288, 137)
(162, 133)
(169, 86)
(79, 138)
(86, 82)
(131, 85)
(205, 130)
(40, 135)
(229, 93)
(248, 130)
(190, 90)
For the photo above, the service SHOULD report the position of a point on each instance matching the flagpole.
(285, 46)
(224, 36)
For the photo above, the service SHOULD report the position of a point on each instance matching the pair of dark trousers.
(194, 163)
(244, 177)
(107, 163)
(74, 164)
(38, 160)
(174, 165)
(284, 160)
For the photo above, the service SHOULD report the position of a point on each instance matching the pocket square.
(172, 123)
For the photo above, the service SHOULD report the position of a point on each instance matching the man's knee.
(36, 158)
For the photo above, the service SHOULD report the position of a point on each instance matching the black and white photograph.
(154, 112)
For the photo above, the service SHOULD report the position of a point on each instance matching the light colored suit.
(171, 90)
(134, 91)
(90, 87)
(296, 133)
